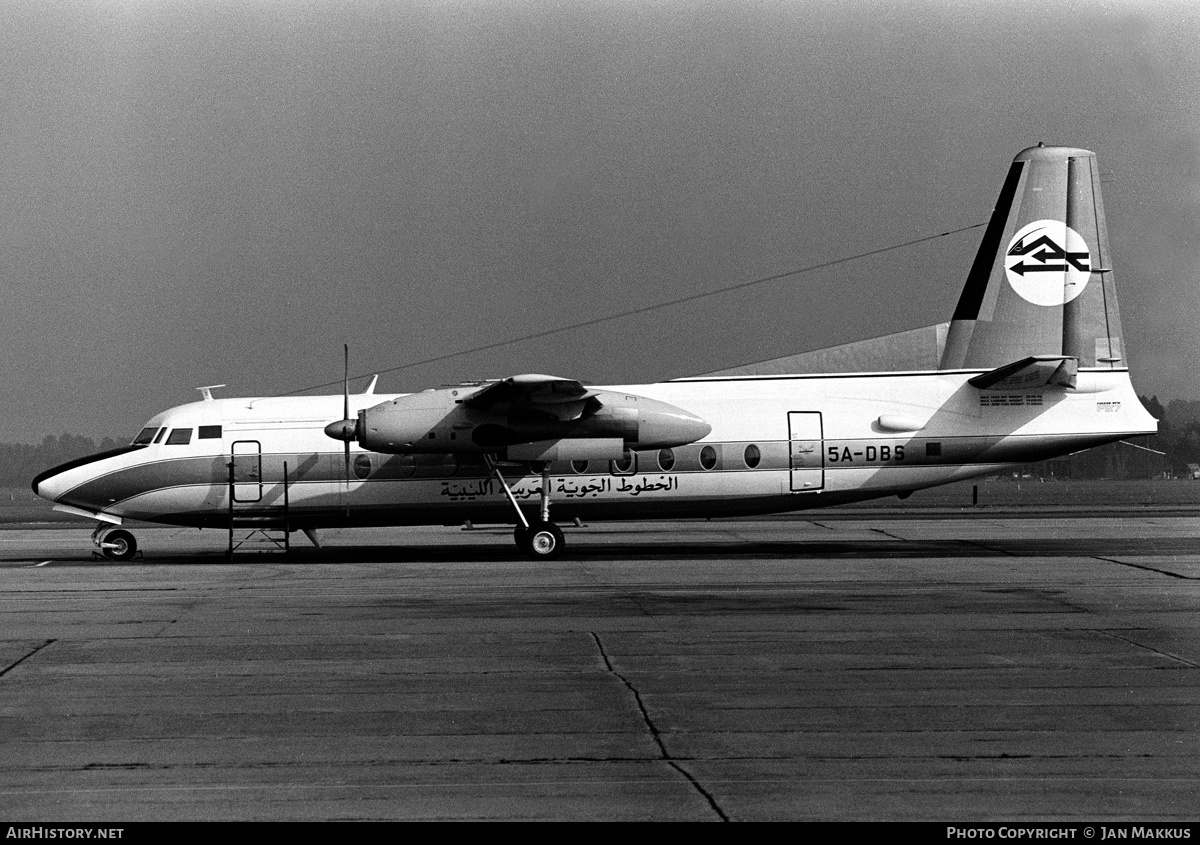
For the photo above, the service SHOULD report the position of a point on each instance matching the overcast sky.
(206, 192)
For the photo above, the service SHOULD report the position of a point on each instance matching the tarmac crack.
(977, 544)
(664, 754)
(1150, 649)
(22, 659)
(1146, 568)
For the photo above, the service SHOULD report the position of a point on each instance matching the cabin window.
(145, 436)
(362, 466)
(752, 456)
(579, 466)
(161, 433)
(933, 450)
(209, 432)
(449, 465)
(179, 437)
(708, 457)
(623, 465)
(666, 459)
(408, 466)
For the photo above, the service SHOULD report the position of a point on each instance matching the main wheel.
(540, 541)
(118, 545)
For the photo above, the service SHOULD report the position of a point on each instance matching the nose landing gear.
(115, 543)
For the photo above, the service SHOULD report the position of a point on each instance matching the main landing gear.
(114, 543)
(541, 539)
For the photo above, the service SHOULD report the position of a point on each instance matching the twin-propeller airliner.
(1031, 365)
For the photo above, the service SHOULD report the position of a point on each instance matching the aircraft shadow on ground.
(582, 551)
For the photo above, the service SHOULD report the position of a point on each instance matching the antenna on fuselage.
(206, 392)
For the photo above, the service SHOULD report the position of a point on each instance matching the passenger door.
(807, 452)
(245, 474)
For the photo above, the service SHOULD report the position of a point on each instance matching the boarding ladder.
(265, 531)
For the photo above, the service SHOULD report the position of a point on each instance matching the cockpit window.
(145, 436)
(209, 432)
(158, 438)
(179, 437)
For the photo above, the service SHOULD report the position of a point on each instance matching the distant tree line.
(1178, 441)
(1178, 434)
(20, 462)
(1178, 438)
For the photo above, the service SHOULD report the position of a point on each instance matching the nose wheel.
(117, 544)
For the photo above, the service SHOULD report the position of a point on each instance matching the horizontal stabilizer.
(1030, 373)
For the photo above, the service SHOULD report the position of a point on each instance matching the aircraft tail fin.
(1041, 284)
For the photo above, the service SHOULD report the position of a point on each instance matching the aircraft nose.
(49, 484)
(69, 482)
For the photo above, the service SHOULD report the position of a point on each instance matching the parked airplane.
(1030, 366)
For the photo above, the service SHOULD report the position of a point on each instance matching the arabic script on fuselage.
(569, 488)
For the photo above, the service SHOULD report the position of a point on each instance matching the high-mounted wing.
(524, 409)
(536, 395)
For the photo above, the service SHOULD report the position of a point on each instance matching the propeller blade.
(346, 383)
(346, 416)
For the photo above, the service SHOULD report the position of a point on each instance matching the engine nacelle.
(439, 421)
(431, 421)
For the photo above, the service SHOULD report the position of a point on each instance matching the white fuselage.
(777, 443)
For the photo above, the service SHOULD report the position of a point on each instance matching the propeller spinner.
(346, 429)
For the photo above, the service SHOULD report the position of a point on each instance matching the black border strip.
(84, 461)
(981, 269)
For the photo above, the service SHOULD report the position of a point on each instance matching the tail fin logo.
(1048, 263)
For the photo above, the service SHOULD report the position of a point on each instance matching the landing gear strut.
(542, 539)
